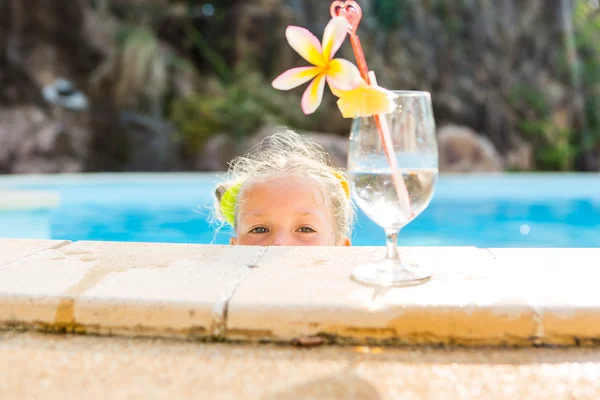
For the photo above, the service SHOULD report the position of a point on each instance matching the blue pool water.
(483, 210)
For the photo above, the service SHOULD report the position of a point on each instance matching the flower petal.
(365, 101)
(295, 77)
(305, 44)
(311, 99)
(338, 92)
(343, 75)
(333, 37)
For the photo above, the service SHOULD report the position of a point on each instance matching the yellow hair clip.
(228, 203)
(343, 182)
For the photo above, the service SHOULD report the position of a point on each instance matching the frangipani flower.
(364, 101)
(340, 74)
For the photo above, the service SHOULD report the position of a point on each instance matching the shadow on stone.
(344, 385)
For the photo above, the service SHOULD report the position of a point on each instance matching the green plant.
(587, 41)
(390, 14)
(530, 99)
(235, 110)
(554, 147)
(231, 103)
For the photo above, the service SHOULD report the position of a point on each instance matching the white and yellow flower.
(339, 73)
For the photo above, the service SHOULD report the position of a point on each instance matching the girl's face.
(286, 211)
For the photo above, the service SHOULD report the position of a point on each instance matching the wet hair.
(288, 153)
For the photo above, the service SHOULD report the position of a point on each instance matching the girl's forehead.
(296, 181)
(286, 188)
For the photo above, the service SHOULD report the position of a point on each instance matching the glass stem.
(391, 253)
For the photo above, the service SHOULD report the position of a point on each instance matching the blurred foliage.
(389, 13)
(557, 147)
(238, 101)
(212, 57)
(235, 108)
(587, 39)
(554, 148)
(238, 107)
(532, 98)
(142, 77)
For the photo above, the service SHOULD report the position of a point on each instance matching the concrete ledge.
(17, 249)
(123, 288)
(298, 292)
(510, 297)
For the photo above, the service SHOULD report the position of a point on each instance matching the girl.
(286, 193)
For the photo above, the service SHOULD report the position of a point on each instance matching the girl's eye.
(306, 229)
(259, 229)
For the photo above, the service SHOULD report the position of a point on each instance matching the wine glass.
(393, 184)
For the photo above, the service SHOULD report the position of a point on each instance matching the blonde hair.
(288, 153)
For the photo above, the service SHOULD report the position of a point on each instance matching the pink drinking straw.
(353, 14)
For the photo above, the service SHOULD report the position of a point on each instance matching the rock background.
(174, 87)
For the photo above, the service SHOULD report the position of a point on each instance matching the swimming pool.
(503, 210)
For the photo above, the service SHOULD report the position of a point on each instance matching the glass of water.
(393, 184)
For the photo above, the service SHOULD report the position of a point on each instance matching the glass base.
(390, 274)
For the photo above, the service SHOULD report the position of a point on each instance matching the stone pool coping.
(506, 297)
